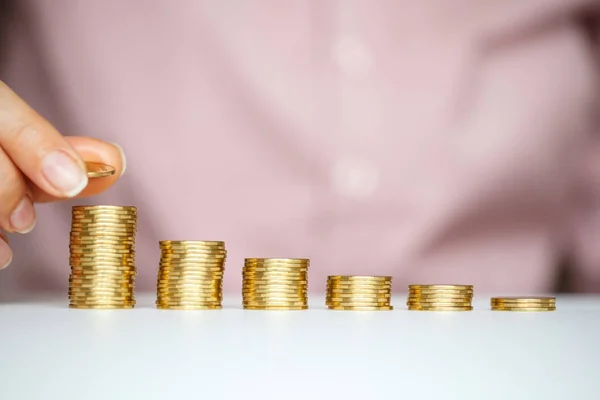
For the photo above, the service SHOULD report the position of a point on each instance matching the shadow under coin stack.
(102, 257)
(190, 275)
(523, 303)
(275, 284)
(359, 293)
(440, 297)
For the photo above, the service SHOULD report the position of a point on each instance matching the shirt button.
(352, 57)
(355, 180)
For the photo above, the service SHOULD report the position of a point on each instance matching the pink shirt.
(436, 141)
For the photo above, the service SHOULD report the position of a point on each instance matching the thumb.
(95, 150)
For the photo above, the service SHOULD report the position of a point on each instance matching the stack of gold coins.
(190, 275)
(102, 257)
(523, 303)
(359, 293)
(440, 297)
(275, 284)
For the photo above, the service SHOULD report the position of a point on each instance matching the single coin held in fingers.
(98, 170)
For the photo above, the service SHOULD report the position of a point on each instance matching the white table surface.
(48, 351)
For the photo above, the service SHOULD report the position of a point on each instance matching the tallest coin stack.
(102, 257)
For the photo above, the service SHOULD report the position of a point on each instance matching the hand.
(38, 164)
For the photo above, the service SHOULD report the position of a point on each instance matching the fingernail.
(123, 159)
(64, 173)
(5, 254)
(22, 218)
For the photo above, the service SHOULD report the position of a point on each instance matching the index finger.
(38, 149)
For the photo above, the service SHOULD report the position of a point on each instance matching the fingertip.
(123, 159)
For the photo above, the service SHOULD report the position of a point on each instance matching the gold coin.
(275, 279)
(123, 263)
(102, 296)
(176, 289)
(100, 286)
(197, 249)
(104, 208)
(358, 289)
(276, 274)
(277, 260)
(102, 242)
(274, 286)
(268, 290)
(102, 307)
(440, 304)
(176, 270)
(192, 277)
(379, 308)
(191, 307)
(181, 306)
(101, 278)
(275, 270)
(440, 293)
(359, 294)
(188, 297)
(338, 278)
(435, 308)
(442, 286)
(275, 282)
(114, 218)
(103, 230)
(275, 296)
(204, 287)
(100, 233)
(516, 305)
(523, 299)
(100, 247)
(90, 295)
(280, 303)
(437, 299)
(359, 282)
(107, 270)
(274, 308)
(111, 222)
(275, 264)
(531, 309)
(206, 265)
(191, 243)
(194, 254)
(183, 267)
(358, 303)
(178, 297)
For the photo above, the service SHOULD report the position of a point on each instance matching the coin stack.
(190, 275)
(523, 303)
(359, 293)
(275, 284)
(102, 257)
(440, 297)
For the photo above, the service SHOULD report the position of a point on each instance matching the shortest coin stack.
(102, 257)
(275, 284)
(359, 293)
(523, 303)
(440, 297)
(190, 275)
